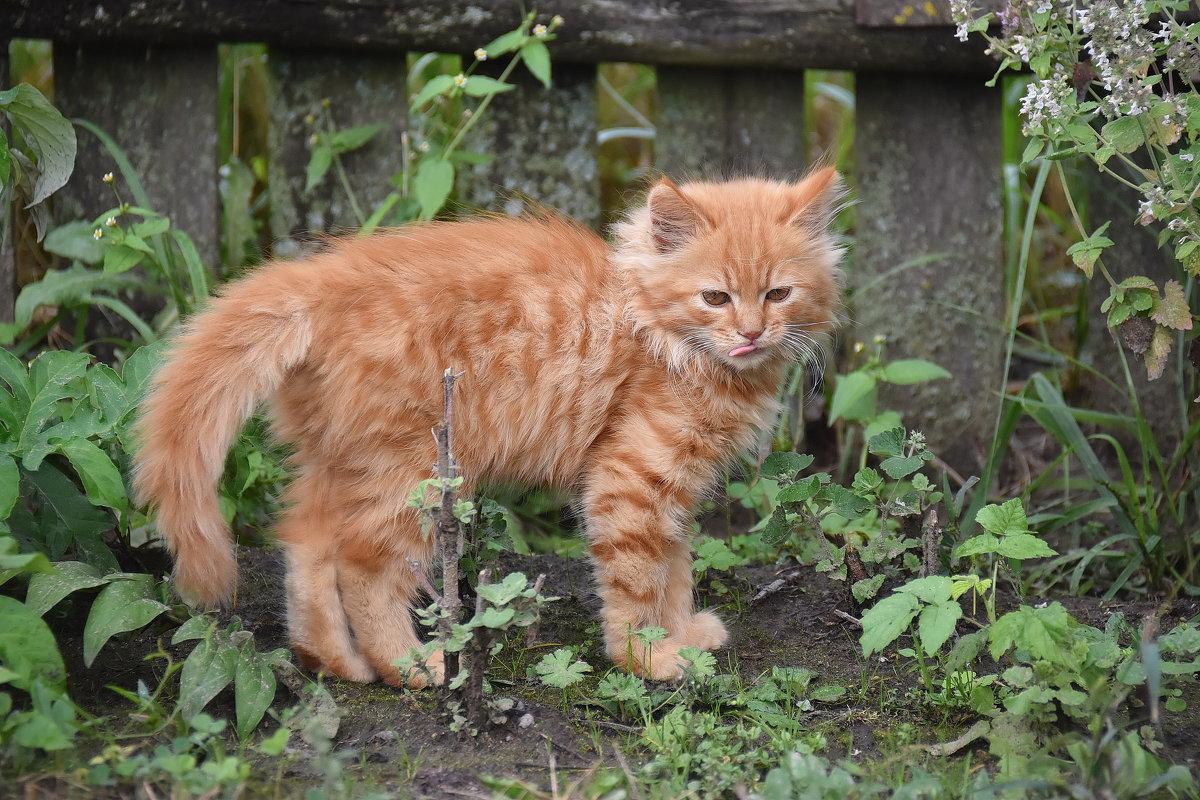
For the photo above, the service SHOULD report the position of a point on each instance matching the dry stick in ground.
(449, 531)
(931, 535)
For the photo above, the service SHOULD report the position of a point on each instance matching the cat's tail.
(230, 358)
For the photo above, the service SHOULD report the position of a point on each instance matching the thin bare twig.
(855, 621)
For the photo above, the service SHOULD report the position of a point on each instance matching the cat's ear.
(816, 199)
(673, 218)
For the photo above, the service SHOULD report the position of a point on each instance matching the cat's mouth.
(742, 350)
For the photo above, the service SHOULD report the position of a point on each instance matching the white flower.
(460, 80)
(423, 147)
(98, 233)
(111, 222)
(108, 177)
(480, 54)
(557, 20)
(540, 31)
(1187, 156)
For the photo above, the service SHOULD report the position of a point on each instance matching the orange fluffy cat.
(630, 375)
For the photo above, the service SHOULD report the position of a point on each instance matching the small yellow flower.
(108, 177)
(111, 222)
(858, 347)
(880, 338)
(460, 80)
(556, 21)
(480, 54)
(98, 233)
(540, 31)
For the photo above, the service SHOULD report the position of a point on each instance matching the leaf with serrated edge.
(1156, 354)
(886, 620)
(936, 623)
(1173, 310)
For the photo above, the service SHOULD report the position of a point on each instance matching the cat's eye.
(715, 298)
(776, 295)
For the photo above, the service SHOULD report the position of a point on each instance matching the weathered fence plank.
(173, 149)
(929, 183)
(544, 141)
(767, 33)
(715, 122)
(361, 89)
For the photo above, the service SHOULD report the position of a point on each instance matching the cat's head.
(741, 272)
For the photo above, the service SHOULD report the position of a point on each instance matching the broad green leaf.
(785, 464)
(210, 667)
(778, 528)
(1124, 133)
(965, 651)
(50, 374)
(253, 689)
(537, 59)
(977, 545)
(123, 605)
(912, 370)
(1042, 632)
(16, 375)
(63, 518)
(64, 288)
(1173, 310)
(107, 393)
(5, 160)
(10, 485)
(716, 554)
(353, 138)
(701, 664)
(135, 242)
(101, 478)
(436, 85)
(197, 627)
(150, 227)
(482, 86)
(886, 620)
(47, 133)
(318, 164)
(831, 693)
(1024, 545)
(887, 443)
(867, 588)
(853, 397)
(936, 623)
(897, 467)
(27, 647)
(75, 240)
(506, 591)
(560, 669)
(138, 369)
(846, 503)
(1004, 520)
(495, 617)
(13, 562)
(934, 589)
(505, 43)
(435, 179)
(800, 491)
(47, 589)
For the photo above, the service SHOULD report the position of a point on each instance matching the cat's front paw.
(705, 630)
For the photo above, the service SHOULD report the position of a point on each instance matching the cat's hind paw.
(705, 631)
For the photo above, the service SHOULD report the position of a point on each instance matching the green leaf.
(505, 43)
(10, 485)
(64, 288)
(886, 620)
(912, 370)
(123, 605)
(1003, 520)
(319, 163)
(197, 274)
(853, 397)
(977, 545)
(897, 467)
(701, 664)
(831, 693)
(799, 492)
(716, 554)
(353, 138)
(47, 589)
(253, 689)
(50, 374)
(867, 588)
(496, 618)
(63, 518)
(846, 503)
(5, 160)
(934, 589)
(537, 58)
(936, 623)
(138, 369)
(75, 240)
(482, 86)
(101, 478)
(210, 667)
(1124, 133)
(778, 528)
(1024, 545)
(1042, 632)
(888, 443)
(506, 591)
(785, 464)
(965, 651)
(196, 627)
(560, 670)
(152, 226)
(439, 84)
(27, 647)
(1085, 252)
(435, 180)
(48, 134)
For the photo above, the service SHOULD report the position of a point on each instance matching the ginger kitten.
(630, 375)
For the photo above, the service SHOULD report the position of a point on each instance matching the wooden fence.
(927, 170)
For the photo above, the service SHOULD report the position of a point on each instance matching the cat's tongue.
(741, 351)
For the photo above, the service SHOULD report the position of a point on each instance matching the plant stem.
(466, 126)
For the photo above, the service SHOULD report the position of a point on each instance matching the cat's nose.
(751, 335)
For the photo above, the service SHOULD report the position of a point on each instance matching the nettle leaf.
(537, 58)
(886, 620)
(434, 181)
(934, 589)
(1085, 252)
(867, 588)
(48, 134)
(210, 667)
(977, 545)
(846, 503)
(1044, 633)
(1023, 545)
(853, 397)
(701, 664)
(785, 464)
(51, 376)
(1173, 310)
(504, 592)
(28, 647)
(1124, 133)
(888, 443)
(716, 554)
(68, 577)
(936, 623)
(778, 528)
(558, 669)
(482, 86)
(1156, 354)
(897, 467)
(912, 370)
(123, 605)
(1004, 519)
(800, 491)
